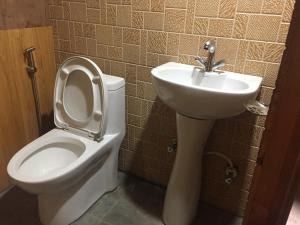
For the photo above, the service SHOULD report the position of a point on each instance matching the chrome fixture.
(257, 108)
(30, 60)
(209, 64)
(231, 171)
(31, 70)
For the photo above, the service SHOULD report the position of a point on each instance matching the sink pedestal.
(183, 190)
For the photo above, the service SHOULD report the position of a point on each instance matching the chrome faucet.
(209, 64)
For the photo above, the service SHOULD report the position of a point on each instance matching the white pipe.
(221, 155)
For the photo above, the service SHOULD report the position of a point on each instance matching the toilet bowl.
(73, 165)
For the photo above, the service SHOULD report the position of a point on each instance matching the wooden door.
(18, 121)
(275, 180)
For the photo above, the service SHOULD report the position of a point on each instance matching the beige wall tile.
(207, 8)
(227, 8)
(252, 6)
(126, 2)
(157, 42)
(64, 45)
(137, 20)
(111, 14)
(56, 12)
(113, 1)
(115, 53)
(124, 16)
(288, 10)
(273, 6)
(283, 31)
(157, 5)
(153, 21)
(271, 74)
(93, 15)
(255, 50)
(104, 34)
(80, 43)
(227, 49)
(263, 28)
(188, 44)
(134, 106)
(131, 36)
(66, 10)
(152, 59)
(255, 68)
(144, 44)
(93, 4)
(273, 52)
(190, 15)
(89, 30)
(201, 26)
(141, 5)
(172, 44)
(220, 27)
(117, 36)
(132, 119)
(118, 69)
(174, 20)
(176, 3)
(240, 26)
(166, 58)
(63, 29)
(144, 73)
(102, 51)
(131, 53)
(103, 11)
(78, 11)
(91, 47)
(130, 71)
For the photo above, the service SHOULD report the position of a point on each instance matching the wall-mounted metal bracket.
(257, 108)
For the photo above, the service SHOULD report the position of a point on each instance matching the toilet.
(74, 164)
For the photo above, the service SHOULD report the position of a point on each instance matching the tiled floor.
(134, 202)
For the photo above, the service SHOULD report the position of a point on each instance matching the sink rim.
(249, 80)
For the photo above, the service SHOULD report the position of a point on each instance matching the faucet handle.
(218, 64)
(200, 60)
(210, 46)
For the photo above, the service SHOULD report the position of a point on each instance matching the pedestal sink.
(198, 99)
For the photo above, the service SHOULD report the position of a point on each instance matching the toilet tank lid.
(113, 82)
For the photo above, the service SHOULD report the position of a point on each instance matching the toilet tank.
(116, 105)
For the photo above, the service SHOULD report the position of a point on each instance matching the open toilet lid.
(80, 97)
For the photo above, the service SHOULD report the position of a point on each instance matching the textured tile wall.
(129, 37)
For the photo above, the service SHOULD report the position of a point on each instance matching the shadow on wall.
(144, 153)
(47, 123)
(144, 150)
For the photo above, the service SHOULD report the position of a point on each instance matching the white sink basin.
(210, 96)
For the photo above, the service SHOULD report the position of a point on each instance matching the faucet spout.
(209, 64)
(210, 46)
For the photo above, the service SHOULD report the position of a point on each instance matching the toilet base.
(64, 207)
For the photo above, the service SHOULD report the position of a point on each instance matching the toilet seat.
(80, 97)
(78, 157)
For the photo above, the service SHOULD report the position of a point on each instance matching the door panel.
(18, 121)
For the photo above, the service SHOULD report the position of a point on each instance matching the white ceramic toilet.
(71, 166)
